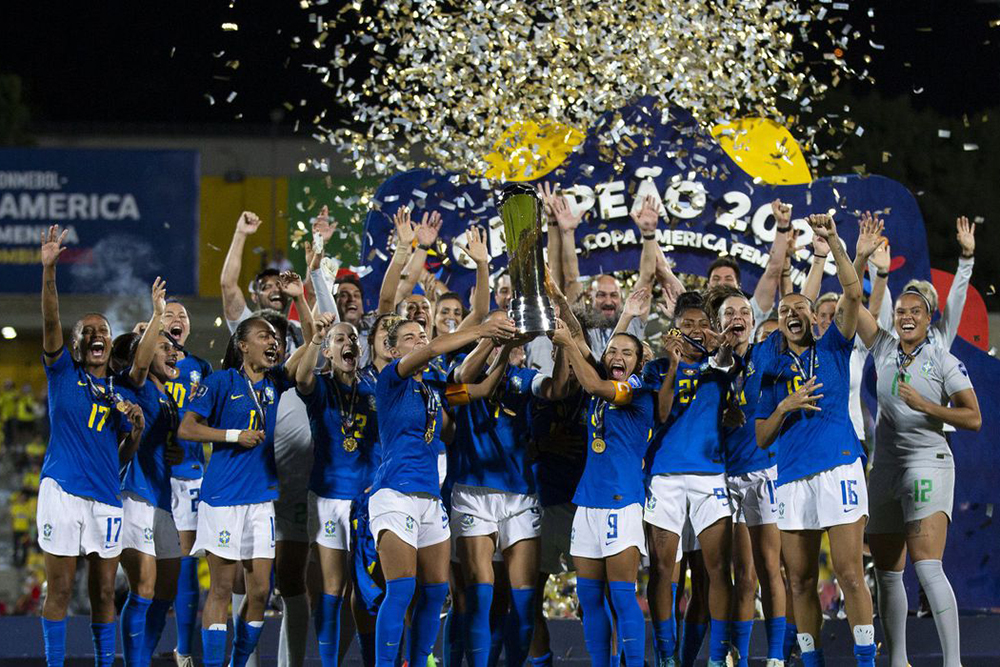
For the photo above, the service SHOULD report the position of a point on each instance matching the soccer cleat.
(667, 662)
(716, 663)
(183, 660)
(774, 662)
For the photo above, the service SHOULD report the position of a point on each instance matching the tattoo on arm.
(50, 286)
(838, 316)
(913, 527)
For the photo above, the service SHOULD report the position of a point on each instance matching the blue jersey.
(613, 477)
(409, 456)
(85, 429)
(148, 475)
(491, 438)
(237, 475)
(437, 371)
(559, 430)
(691, 439)
(345, 440)
(811, 442)
(742, 453)
(193, 371)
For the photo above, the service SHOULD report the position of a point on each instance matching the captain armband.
(457, 394)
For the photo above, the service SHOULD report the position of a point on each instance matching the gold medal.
(350, 444)
(598, 445)
(429, 436)
(121, 406)
(509, 411)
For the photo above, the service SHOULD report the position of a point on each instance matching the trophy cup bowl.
(521, 212)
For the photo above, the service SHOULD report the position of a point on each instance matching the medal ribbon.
(431, 406)
(256, 398)
(903, 361)
(599, 418)
(346, 424)
(797, 363)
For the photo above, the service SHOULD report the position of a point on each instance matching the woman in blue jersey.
(407, 516)
(607, 536)
(94, 431)
(751, 474)
(688, 480)
(804, 409)
(235, 409)
(342, 417)
(493, 500)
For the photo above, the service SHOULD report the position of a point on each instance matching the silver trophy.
(521, 211)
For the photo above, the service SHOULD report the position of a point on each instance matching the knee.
(851, 580)
(59, 591)
(745, 581)
(220, 589)
(102, 595)
(802, 584)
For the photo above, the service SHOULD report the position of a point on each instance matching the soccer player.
(921, 387)
(750, 475)
(493, 498)
(236, 410)
(607, 538)
(94, 431)
(688, 471)
(821, 480)
(345, 432)
(407, 515)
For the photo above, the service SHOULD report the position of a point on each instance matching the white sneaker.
(183, 660)
(774, 662)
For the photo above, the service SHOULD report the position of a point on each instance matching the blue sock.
(367, 642)
(478, 598)
(156, 618)
(718, 640)
(813, 658)
(520, 626)
(631, 625)
(596, 620)
(614, 660)
(104, 643)
(454, 638)
(542, 660)
(498, 629)
(741, 631)
(664, 640)
(54, 633)
(426, 621)
(245, 638)
(791, 640)
(186, 603)
(213, 646)
(391, 616)
(133, 619)
(327, 621)
(865, 655)
(775, 628)
(692, 635)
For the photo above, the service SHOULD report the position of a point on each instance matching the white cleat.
(774, 662)
(183, 660)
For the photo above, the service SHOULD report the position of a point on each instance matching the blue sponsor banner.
(131, 215)
(711, 208)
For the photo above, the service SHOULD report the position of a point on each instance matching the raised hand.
(869, 234)
(404, 227)
(159, 296)
(313, 258)
(820, 246)
(290, 284)
(323, 323)
(546, 191)
(647, 216)
(428, 229)
(565, 218)
(322, 224)
(251, 439)
(965, 232)
(475, 245)
(498, 328)
(248, 223)
(52, 245)
(134, 414)
(804, 398)
(717, 339)
(637, 302)
(561, 336)
(880, 259)
(673, 349)
(782, 213)
(823, 225)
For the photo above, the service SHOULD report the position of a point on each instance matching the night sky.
(155, 61)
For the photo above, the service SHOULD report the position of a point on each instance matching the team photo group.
(417, 472)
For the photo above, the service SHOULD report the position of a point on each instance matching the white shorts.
(70, 525)
(418, 519)
(236, 532)
(753, 497)
(900, 495)
(185, 495)
(600, 533)
(830, 498)
(704, 499)
(442, 468)
(477, 511)
(557, 525)
(148, 529)
(291, 516)
(330, 522)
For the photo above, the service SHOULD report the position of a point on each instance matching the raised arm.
(879, 261)
(474, 362)
(305, 378)
(52, 335)
(150, 336)
(646, 218)
(500, 328)
(475, 247)
(814, 280)
(400, 256)
(325, 302)
(553, 237)
(846, 317)
(494, 376)
(636, 304)
(618, 393)
(426, 234)
(665, 394)
(233, 301)
(764, 293)
(567, 222)
(951, 316)
(565, 313)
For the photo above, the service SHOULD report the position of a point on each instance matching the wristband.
(649, 237)
(882, 274)
(783, 229)
(964, 256)
(233, 435)
(313, 342)
(820, 256)
(423, 247)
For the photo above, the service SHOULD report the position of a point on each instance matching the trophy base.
(532, 314)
